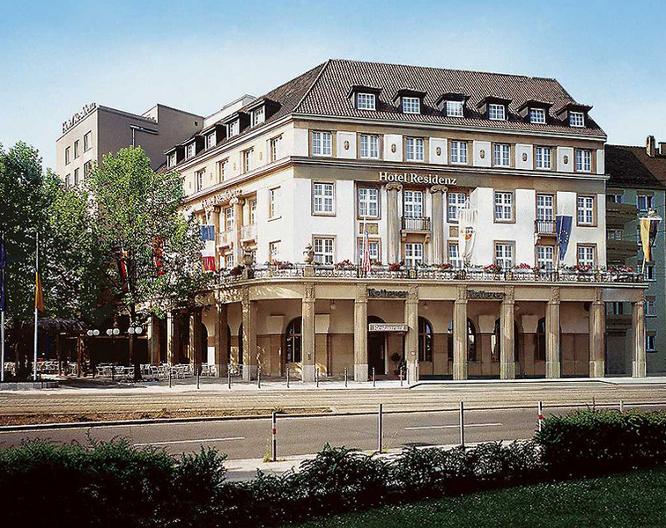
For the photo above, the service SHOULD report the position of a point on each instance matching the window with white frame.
(221, 168)
(454, 108)
(248, 160)
(504, 255)
(368, 202)
(496, 112)
(322, 143)
(545, 206)
(458, 152)
(412, 204)
(501, 154)
(76, 177)
(576, 119)
(586, 256)
(323, 198)
(615, 197)
(87, 141)
(537, 115)
(229, 260)
(454, 255)
(650, 306)
(274, 251)
(583, 160)
(542, 156)
(413, 254)
(68, 180)
(365, 101)
(258, 116)
(211, 139)
(252, 211)
(545, 257)
(189, 151)
(644, 202)
(455, 202)
(171, 159)
(199, 179)
(585, 210)
(373, 249)
(228, 218)
(233, 128)
(76, 149)
(369, 146)
(411, 105)
(274, 202)
(414, 149)
(67, 155)
(649, 272)
(87, 169)
(614, 234)
(275, 148)
(650, 342)
(324, 252)
(503, 206)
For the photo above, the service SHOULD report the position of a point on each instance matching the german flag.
(39, 294)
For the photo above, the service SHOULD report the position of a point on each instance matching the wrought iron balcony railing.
(545, 227)
(416, 223)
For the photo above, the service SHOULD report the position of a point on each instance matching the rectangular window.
(221, 168)
(614, 234)
(585, 210)
(458, 152)
(545, 207)
(501, 155)
(258, 116)
(229, 260)
(275, 148)
(650, 307)
(274, 203)
(454, 255)
(373, 247)
(583, 160)
(368, 202)
(68, 180)
(644, 202)
(171, 159)
(650, 342)
(274, 251)
(615, 308)
(76, 177)
(411, 105)
(576, 119)
(586, 256)
(365, 101)
(414, 149)
(233, 128)
(413, 254)
(504, 255)
(323, 248)
(615, 198)
(322, 143)
(248, 160)
(211, 140)
(189, 151)
(76, 149)
(87, 169)
(503, 206)
(228, 218)
(412, 204)
(87, 141)
(455, 202)
(454, 108)
(369, 146)
(497, 112)
(542, 156)
(252, 213)
(537, 115)
(649, 272)
(199, 180)
(545, 257)
(323, 198)
(67, 151)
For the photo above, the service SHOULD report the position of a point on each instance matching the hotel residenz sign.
(414, 177)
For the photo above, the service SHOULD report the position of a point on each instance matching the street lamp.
(135, 330)
(92, 333)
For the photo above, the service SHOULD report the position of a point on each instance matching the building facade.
(369, 216)
(99, 130)
(636, 186)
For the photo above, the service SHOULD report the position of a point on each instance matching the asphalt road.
(250, 438)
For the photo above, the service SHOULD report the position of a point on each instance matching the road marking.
(456, 426)
(191, 441)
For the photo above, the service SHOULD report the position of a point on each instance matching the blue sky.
(58, 55)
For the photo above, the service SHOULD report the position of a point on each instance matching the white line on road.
(456, 426)
(192, 441)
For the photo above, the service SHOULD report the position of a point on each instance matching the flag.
(563, 229)
(365, 262)
(39, 294)
(158, 255)
(648, 229)
(207, 232)
(121, 262)
(3, 263)
(208, 263)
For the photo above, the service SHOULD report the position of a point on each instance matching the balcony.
(618, 322)
(618, 251)
(225, 238)
(417, 224)
(248, 232)
(620, 213)
(545, 227)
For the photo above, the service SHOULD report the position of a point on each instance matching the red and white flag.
(365, 262)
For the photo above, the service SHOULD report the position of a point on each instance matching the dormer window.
(538, 116)
(211, 140)
(454, 108)
(171, 159)
(189, 150)
(258, 116)
(496, 112)
(411, 105)
(366, 101)
(577, 119)
(233, 128)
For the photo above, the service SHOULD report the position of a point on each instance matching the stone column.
(412, 336)
(393, 217)
(437, 192)
(639, 363)
(221, 339)
(195, 338)
(507, 337)
(460, 335)
(173, 338)
(553, 366)
(154, 344)
(308, 332)
(237, 204)
(361, 334)
(249, 337)
(597, 337)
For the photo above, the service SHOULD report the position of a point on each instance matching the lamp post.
(92, 332)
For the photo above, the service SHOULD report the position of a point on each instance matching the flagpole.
(34, 357)
(2, 307)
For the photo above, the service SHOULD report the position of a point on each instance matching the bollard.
(274, 436)
(287, 377)
(622, 406)
(594, 404)
(373, 377)
(401, 374)
(169, 375)
(540, 416)
(198, 375)
(259, 378)
(462, 425)
(380, 428)
(317, 377)
(113, 373)
(345, 377)
(229, 376)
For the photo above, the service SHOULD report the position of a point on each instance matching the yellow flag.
(39, 294)
(645, 239)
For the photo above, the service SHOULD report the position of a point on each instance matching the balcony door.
(412, 204)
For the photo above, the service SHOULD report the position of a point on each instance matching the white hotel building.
(457, 177)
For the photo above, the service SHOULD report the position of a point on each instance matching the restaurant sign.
(387, 294)
(387, 327)
(417, 178)
(487, 295)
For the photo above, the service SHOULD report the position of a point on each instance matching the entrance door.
(376, 349)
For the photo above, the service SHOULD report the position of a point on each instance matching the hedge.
(117, 484)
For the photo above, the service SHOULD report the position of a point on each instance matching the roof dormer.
(575, 114)
(494, 108)
(535, 111)
(411, 101)
(452, 104)
(364, 97)
(235, 123)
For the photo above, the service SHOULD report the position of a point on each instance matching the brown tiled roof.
(631, 167)
(329, 96)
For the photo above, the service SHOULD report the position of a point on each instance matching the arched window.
(495, 348)
(471, 340)
(293, 338)
(425, 340)
(540, 352)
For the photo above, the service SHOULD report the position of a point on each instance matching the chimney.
(662, 148)
(650, 146)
